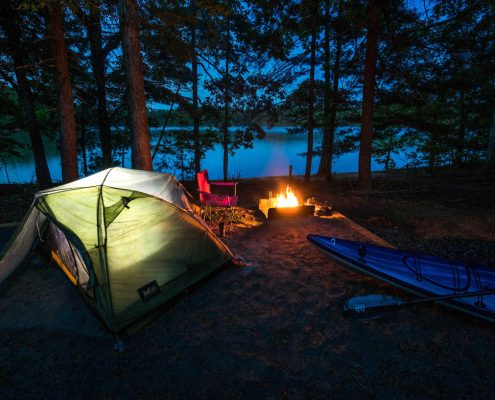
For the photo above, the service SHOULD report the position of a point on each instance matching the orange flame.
(285, 198)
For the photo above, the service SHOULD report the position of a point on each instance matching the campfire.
(284, 205)
(285, 198)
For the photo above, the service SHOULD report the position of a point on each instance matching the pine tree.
(68, 135)
(331, 91)
(195, 109)
(490, 152)
(136, 99)
(311, 94)
(92, 21)
(9, 21)
(364, 168)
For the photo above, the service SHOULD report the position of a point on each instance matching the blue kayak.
(419, 274)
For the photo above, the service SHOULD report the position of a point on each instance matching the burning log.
(284, 205)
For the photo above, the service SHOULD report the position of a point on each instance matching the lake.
(270, 156)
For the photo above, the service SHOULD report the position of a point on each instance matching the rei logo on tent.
(149, 290)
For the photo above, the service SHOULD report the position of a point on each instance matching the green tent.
(128, 239)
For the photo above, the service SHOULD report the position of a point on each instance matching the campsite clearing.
(273, 329)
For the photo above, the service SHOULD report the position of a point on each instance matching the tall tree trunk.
(330, 105)
(68, 134)
(136, 99)
(40, 163)
(226, 136)
(490, 150)
(323, 167)
(195, 111)
(93, 26)
(13, 34)
(432, 155)
(311, 94)
(82, 129)
(364, 169)
(335, 95)
(461, 134)
(387, 160)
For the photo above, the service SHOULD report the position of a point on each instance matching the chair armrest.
(225, 183)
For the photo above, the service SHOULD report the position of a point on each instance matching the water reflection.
(270, 156)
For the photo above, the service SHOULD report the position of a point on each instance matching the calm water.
(270, 156)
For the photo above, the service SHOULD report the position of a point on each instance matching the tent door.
(66, 256)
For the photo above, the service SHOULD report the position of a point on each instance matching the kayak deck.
(419, 274)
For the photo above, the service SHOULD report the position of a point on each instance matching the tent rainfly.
(128, 239)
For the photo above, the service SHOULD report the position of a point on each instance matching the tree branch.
(9, 80)
(113, 42)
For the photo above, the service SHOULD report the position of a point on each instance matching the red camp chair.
(209, 200)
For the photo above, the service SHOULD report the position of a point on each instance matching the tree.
(331, 92)
(332, 117)
(136, 99)
(364, 167)
(68, 138)
(195, 109)
(435, 76)
(92, 22)
(232, 87)
(490, 153)
(11, 115)
(14, 45)
(490, 150)
(325, 156)
(311, 94)
(226, 123)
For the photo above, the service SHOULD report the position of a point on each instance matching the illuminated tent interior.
(127, 239)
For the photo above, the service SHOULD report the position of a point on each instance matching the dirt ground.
(274, 328)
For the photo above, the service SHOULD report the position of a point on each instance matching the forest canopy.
(100, 75)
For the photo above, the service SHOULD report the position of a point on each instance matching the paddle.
(377, 305)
